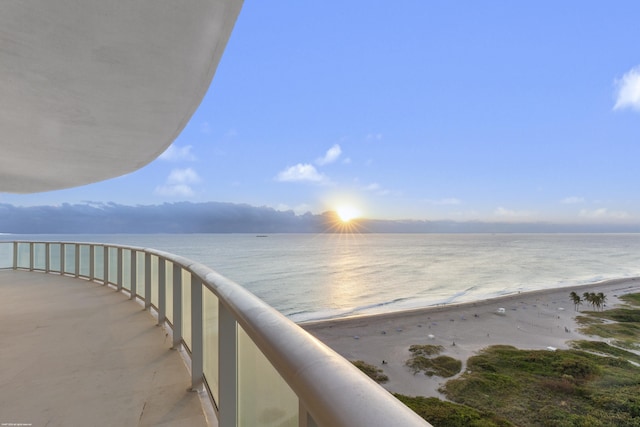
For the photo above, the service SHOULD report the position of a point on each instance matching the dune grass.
(446, 414)
(372, 371)
(423, 360)
(605, 349)
(631, 299)
(564, 387)
(622, 325)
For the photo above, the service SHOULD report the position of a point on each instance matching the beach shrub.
(563, 387)
(442, 366)
(426, 350)
(372, 371)
(632, 299)
(446, 414)
(618, 330)
(422, 360)
(603, 348)
(623, 315)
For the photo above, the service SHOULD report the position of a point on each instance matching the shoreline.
(540, 319)
(484, 301)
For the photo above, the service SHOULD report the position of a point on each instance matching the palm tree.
(591, 298)
(603, 299)
(577, 301)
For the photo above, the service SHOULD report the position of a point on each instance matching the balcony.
(77, 347)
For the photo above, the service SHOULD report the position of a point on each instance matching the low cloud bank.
(215, 217)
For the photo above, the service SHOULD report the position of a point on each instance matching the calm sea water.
(310, 277)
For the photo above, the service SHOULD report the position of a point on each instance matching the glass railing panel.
(98, 262)
(70, 259)
(264, 398)
(140, 273)
(210, 343)
(23, 255)
(126, 269)
(113, 265)
(39, 256)
(169, 290)
(186, 308)
(54, 256)
(85, 260)
(154, 280)
(6, 255)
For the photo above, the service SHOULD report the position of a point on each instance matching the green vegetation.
(577, 301)
(372, 371)
(447, 414)
(597, 301)
(631, 299)
(619, 315)
(605, 349)
(594, 384)
(564, 387)
(426, 350)
(620, 324)
(422, 360)
(442, 366)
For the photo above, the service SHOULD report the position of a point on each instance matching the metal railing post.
(105, 264)
(162, 291)
(62, 258)
(119, 280)
(304, 417)
(196, 333)
(15, 255)
(31, 255)
(77, 259)
(134, 274)
(147, 281)
(177, 306)
(92, 264)
(47, 257)
(227, 367)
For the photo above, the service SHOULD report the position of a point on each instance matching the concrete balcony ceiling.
(94, 89)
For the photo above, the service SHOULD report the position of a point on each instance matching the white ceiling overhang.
(94, 89)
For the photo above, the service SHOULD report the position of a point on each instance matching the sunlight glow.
(347, 213)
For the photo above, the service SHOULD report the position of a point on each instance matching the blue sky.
(490, 111)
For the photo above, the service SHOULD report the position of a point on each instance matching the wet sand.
(529, 320)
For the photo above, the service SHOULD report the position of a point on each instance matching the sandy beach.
(528, 320)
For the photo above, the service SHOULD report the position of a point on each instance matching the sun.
(347, 213)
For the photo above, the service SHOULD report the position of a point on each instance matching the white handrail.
(331, 391)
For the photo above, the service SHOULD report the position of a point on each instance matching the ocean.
(321, 276)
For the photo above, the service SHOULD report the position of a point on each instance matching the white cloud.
(330, 156)
(300, 172)
(177, 184)
(572, 200)
(508, 213)
(175, 154)
(447, 201)
(183, 176)
(377, 189)
(604, 213)
(628, 88)
(374, 137)
(180, 190)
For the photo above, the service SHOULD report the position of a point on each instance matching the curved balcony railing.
(258, 367)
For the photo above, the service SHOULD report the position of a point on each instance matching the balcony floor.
(77, 353)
